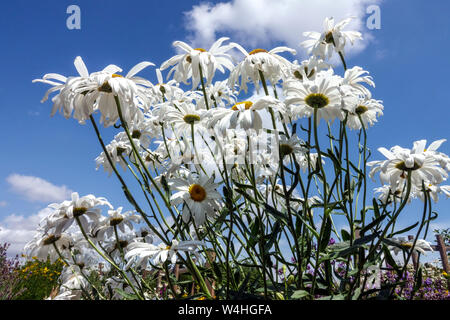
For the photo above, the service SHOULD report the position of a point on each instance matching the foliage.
(8, 276)
(38, 278)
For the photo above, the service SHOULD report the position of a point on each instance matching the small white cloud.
(261, 22)
(3, 203)
(17, 230)
(36, 189)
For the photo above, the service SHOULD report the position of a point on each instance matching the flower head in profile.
(333, 38)
(117, 149)
(307, 69)
(362, 112)
(421, 166)
(140, 253)
(403, 243)
(130, 90)
(244, 114)
(163, 91)
(291, 146)
(83, 209)
(195, 60)
(117, 220)
(198, 195)
(71, 94)
(42, 246)
(269, 63)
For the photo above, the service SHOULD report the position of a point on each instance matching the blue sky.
(408, 58)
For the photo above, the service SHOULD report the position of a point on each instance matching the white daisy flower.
(70, 98)
(421, 245)
(442, 158)
(321, 94)
(220, 94)
(116, 219)
(293, 145)
(42, 246)
(353, 79)
(366, 109)
(199, 196)
(388, 196)
(244, 114)
(84, 208)
(307, 69)
(187, 65)
(118, 147)
(422, 166)
(435, 191)
(272, 65)
(332, 38)
(304, 163)
(140, 253)
(165, 91)
(182, 117)
(132, 92)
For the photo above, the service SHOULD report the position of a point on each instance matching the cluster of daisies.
(189, 143)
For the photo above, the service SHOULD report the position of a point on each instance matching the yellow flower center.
(191, 118)
(136, 134)
(167, 248)
(105, 87)
(361, 109)
(285, 149)
(115, 75)
(317, 100)
(248, 105)
(257, 51)
(200, 49)
(402, 166)
(329, 37)
(115, 221)
(79, 211)
(197, 192)
(51, 239)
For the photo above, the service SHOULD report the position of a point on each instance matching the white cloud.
(36, 189)
(3, 203)
(18, 230)
(261, 22)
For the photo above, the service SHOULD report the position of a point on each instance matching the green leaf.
(126, 295)
(375, 222)
(247, 196)
(326, 234)
(405, 230)
(276, 214)
(356, 294)
(376, 209)
(255, 230)
(345, 235)
(299, 294)
(271, 238)
(217, 271)
(419, 279)
(390, 259)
